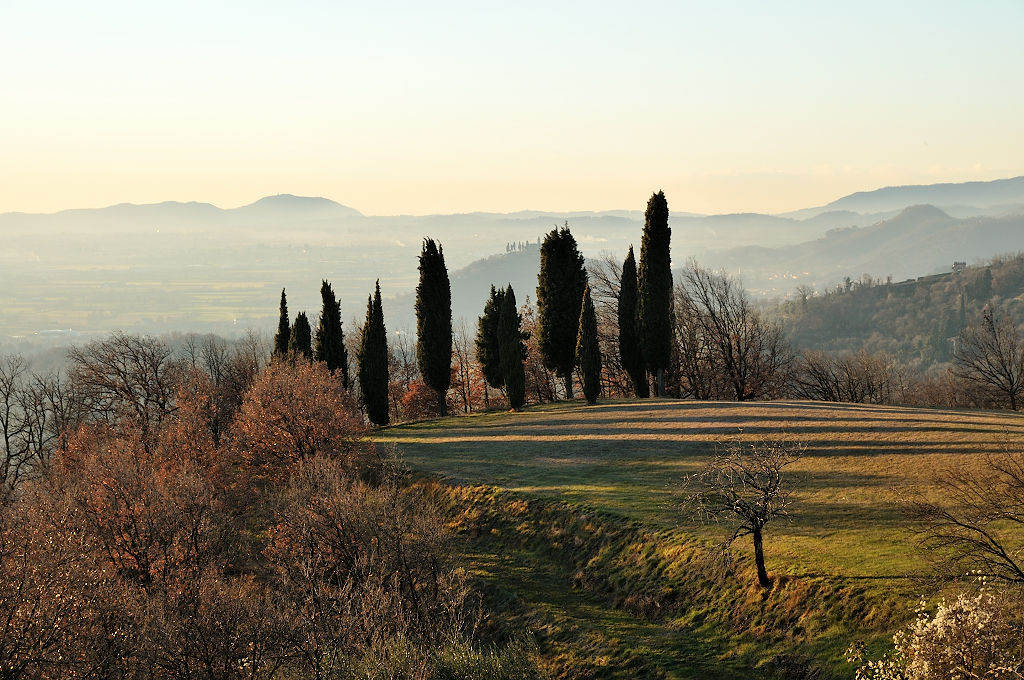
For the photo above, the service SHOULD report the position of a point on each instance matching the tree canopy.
(330, 340)
(655, 288)
(373, 362)
(560, 285)
(434, 322)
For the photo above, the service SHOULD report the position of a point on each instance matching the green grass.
(847, 552)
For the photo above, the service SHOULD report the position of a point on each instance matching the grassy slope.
(628, 458)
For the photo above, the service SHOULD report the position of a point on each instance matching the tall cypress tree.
(512, 350)
(372, 362)
(655, 286)
(284, 329)
(488, 350)
(434, 322)
(330, 339)
(560, 285)
(631, 352)
(301, 341)
(588, 353)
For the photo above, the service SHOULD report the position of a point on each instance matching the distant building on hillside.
(959, 267)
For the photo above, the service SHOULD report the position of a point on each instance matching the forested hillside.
(915, 320)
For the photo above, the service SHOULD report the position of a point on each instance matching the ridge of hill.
(920, 239)
(913, 320)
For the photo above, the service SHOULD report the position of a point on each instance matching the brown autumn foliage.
(133, 554)
(294, 412)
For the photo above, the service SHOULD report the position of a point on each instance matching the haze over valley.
(195, 267)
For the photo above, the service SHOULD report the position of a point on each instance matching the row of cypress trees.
(567, 323)
(645, 302)
(433, 328)
(297, 339)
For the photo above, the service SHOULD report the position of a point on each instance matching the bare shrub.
(363, 564)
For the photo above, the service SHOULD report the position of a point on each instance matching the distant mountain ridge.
(1006, 192)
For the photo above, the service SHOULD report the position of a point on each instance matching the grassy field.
(629, 458)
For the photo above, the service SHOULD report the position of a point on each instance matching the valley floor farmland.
(628, 458)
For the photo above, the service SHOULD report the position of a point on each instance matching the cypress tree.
(284, 329)
(300, 342)
(512, 350)
(434, 322)
(330, 339)
(631, 352)
(372, 362)
(655, 286)
(560, 285)
(588, 353)
(487, 341)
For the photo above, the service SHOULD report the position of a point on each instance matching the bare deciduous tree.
(33, 411)
(989, 355)
(977, 526)
(125, 378)
(858, 378)
(744, 485)
(727, 346)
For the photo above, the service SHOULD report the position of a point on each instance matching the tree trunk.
(762, 575)
(661, 382)
(568, 385)
(442, 404)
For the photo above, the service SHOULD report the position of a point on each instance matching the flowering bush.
(970, 637)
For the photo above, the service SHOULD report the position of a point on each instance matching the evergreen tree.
(372, 362)
(487, 340)
(655, 287)
(560, 285)
(588, 353)
(284, 329)
(434, 322)
(512, 350)
(631, 352)
(301, 341)
(330, 339)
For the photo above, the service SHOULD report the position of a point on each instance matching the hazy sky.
(440, 107)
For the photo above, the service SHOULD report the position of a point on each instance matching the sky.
(440, 107)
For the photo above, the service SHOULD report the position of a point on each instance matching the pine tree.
(560, 285)
(588, 353)
(655, 287)
(330, 339)
(372, 362)
(434, 322)
(631, 352)
(300, 343)
(487, 340)
(284, 329)
(512, 350)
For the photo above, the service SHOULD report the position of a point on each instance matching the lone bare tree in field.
(989, 355)
(744, 485)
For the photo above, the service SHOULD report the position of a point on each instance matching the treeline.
(207, 512)
(631, 329)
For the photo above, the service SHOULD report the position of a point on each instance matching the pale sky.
(441, 107)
